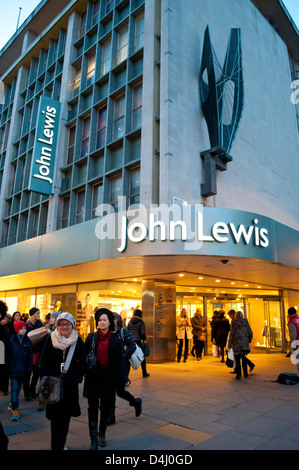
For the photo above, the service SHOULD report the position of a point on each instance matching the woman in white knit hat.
(64, 340)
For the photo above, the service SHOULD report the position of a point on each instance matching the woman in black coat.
(54, 355)
(220, 332)
(99, 387)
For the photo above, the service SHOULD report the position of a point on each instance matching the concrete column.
(159, 316)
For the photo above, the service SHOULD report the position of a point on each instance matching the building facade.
(112, 190)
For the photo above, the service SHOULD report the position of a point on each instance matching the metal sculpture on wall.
(222, 101)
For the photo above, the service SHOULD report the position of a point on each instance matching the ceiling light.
(233, 283)
(200, 278)
(181, 275)
(217, 280)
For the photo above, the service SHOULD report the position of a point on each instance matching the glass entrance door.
(272, 330)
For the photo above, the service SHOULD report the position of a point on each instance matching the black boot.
(137, 405)
(102, 441)
(93, 432)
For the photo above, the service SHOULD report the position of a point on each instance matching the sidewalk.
(186, 407)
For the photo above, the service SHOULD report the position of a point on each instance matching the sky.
(10, 10)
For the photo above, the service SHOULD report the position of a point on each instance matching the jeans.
(15, 386)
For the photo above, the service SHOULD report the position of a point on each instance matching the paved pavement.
(186, 407)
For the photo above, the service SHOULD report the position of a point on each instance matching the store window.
(56, 299)
(21, 301)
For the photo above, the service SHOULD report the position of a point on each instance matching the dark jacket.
(137, 327)
(240, 336)
(198, 325)
(20, 356)
(127, 340)
(220, 330)
(117, 369)
(50, 361)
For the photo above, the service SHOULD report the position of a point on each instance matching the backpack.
(288, 378)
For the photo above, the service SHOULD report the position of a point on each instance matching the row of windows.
(118, 124)
(81, 205)
(76, 207)
(108, 56)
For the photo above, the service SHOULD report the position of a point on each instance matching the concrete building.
(104, 108)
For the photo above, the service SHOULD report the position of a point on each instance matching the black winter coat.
(116, 363)
(220, 331)
(137, 327)
(51, 359)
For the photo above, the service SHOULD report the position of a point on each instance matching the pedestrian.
(64, 340)
(137, 327)
(20, 364)
(239, 340)
(129, 347)
(4, 345)
(220, 332)
(30, 380)
(100, 386)
(198, 324)
(183, 334)
(16, 316)
(293, 326)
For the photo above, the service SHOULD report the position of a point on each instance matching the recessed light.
(200, 278)
(217, 280)
(181, 275)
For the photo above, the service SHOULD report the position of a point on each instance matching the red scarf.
(102, 352)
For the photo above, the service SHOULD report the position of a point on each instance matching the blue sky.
(9, 15)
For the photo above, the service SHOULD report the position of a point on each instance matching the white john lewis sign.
(173, 223)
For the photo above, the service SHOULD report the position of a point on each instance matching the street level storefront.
(206, 258)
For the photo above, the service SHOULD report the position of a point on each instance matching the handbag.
(136, 358)
(230, 358)
(145, 348)
(38, 335)
(202, 337)
(91, 359)
(50, 389)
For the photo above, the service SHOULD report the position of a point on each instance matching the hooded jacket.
(137, 328)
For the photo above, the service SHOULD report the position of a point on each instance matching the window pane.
(77, 80)
(119, 117)
(115, 191)
(137, 107)
(65, 212)
(71, 146)
(139, 32)
(134, 194)
(122, 48)
(101, 131)
(91, 69)
(85, 137)
(109, 6)
(97, 198)
(80, 207)
(106, 58)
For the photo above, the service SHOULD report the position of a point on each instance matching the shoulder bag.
(91, 359)
(137, 357)
(50, 389)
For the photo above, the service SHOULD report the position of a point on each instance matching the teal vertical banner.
(44, 151)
